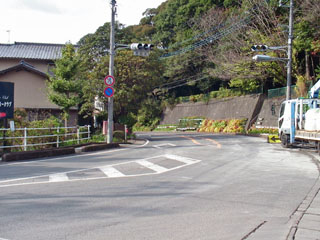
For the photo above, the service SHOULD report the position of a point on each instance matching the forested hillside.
(203, 46)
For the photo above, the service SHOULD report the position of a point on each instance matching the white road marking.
(3, 239)
(164, 144)
(181, 159)
(152, 166)
(111, 172)
(59, 177)
(73, 156)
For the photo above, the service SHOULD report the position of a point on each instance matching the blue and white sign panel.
(6, 100)
(108, 92)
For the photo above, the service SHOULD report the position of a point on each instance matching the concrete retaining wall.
(217, 109)
(268, 116)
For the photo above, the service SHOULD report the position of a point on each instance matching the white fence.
(25, 138)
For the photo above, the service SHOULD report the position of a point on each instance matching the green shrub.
(98, 138)
(118, 136)
(255, 130)
(226, 126)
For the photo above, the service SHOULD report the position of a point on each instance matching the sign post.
(111, 69)
(108, 92)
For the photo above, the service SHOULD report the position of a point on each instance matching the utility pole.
(290, 39)
(111, 69)
(266, 58)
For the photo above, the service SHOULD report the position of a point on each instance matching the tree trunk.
(307, 58)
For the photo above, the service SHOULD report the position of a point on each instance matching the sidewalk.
(308, 226)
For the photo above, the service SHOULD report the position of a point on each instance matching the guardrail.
(189, 124)
(25, 138)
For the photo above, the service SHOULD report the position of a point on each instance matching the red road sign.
(109, 80)
(108, 92)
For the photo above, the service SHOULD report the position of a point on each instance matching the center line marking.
(193, 140)
(152, 166)
(111, 172)
(215, 142)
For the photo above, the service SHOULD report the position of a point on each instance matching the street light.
(266, 58)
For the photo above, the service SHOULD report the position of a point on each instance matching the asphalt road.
(175, 186)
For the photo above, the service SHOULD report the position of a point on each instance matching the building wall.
(41, 65)
(29, 90)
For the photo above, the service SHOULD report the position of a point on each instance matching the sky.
(60, 21)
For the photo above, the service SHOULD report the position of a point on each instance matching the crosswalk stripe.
(59, 177)
(165, 144)
(111, 172)
(180, 159)
(152, 166)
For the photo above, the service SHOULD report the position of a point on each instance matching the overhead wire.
(220, 34)
(241, 22)
(188, 82)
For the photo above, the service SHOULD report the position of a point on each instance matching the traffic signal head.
(150, 46)
(136, 46)
(141, 49)
(259, 48)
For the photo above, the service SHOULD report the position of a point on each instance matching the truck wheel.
(285, 140)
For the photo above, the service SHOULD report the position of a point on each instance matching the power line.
(220, 34)
(188, 82)
(242, 22)
(184, 82)
(197, 36)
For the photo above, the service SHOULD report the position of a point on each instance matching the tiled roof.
(23, 50)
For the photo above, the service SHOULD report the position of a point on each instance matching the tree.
(63, 85)
(231, 55)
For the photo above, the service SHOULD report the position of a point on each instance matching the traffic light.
(141, 49)
(259, 48)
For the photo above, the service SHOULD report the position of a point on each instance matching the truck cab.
(293, 116)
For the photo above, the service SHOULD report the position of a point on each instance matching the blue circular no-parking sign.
(108, 92)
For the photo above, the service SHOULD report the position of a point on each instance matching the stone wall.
(217, 109)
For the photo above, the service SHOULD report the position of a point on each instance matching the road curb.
(305, 204)
(28, 155)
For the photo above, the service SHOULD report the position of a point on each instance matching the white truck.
(299, 119)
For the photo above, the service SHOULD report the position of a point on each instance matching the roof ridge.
(35, 43)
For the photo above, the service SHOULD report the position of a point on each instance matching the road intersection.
(175, 186)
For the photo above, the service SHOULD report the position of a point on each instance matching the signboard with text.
(6, 100)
